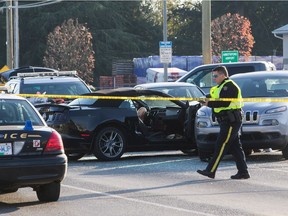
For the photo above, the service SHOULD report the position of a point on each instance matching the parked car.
(51, 83)
(108, 127)
(265, 124)
(31, 153)
(176, 89)
(5, 76)
(202, 75)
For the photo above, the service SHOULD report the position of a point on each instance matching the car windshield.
(263, 86)
(17, 112)
(181, 91)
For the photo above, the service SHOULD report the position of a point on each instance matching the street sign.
(230, 56)
(165, 51)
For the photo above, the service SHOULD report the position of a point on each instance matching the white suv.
(265, 123)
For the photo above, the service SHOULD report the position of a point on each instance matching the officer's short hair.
(222, 70)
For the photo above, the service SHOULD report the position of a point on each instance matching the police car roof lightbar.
(58, 73)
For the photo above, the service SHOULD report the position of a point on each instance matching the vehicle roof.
(261, 74)
(47, 79)
(236, 63)
(11, 96)
(165, 84)
(13, 72)
(132, 92)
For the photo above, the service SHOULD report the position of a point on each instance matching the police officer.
(229, 117)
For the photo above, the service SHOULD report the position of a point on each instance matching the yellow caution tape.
(155, 98)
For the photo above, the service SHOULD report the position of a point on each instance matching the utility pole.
(165, 37)
(16, 35)
(206, 32)
(9, 34)
(12, 28)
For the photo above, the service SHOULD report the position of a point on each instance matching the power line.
(13, 28)
(30, 5)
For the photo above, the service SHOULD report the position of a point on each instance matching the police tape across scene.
(154, 98)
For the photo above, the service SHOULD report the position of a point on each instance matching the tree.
(264, 16)
(231, 32)
(69, 47)
(184, 29)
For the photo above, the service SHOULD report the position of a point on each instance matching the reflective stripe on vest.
(233, 104)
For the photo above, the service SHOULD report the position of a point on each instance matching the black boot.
(241, 176)
(206, 173)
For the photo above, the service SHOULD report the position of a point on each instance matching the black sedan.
(108, 126)
(31, 153)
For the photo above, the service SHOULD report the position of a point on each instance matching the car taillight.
(54, 143)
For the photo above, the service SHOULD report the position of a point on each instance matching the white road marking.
(141, 165)
(138, 201)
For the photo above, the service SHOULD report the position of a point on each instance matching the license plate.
(5, 149)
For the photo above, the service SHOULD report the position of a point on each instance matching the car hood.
(262, 105)
(253, 106)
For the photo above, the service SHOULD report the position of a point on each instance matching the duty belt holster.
(231, 116)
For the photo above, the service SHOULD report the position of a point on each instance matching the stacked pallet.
(122, 67)
(122, 75)
(125, 80)
(106, 82)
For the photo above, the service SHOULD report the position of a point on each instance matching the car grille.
(250, 117)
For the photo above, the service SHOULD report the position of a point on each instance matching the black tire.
(49, 192)
(285, 152)
(190, 152)
(204, 156)
(247, 152)
(74, 156)
(11, 190)
(109, 144)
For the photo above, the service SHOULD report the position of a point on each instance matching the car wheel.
(109, 144)
(247, 152)
(11, 190)
(48, 192)
(285, 152)
(75, 156)
(190, 151)
(204, 156)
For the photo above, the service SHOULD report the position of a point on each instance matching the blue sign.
(165, 44)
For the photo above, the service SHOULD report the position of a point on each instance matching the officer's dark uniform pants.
(228, 139)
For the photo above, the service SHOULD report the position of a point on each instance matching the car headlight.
(202, 124)
(270, 122)
(201, 113)
(276, 110)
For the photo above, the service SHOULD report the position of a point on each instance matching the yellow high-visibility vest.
(234, 104)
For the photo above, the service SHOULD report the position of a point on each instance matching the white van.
(157, 74)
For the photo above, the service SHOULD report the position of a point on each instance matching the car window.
(263, 87)
(202, 78)
(240, 69)
(127, 104)
(158, 103)
(17, 112)
(82, 101)
(71, 88)
(181, 91)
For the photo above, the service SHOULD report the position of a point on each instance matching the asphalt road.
(161, 184)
